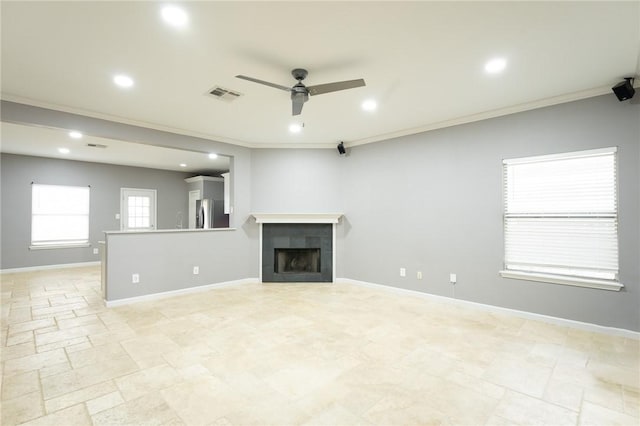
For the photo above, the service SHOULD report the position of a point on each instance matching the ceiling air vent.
(224, 94)
(96, 145)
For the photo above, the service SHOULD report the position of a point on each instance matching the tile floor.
(308, 354)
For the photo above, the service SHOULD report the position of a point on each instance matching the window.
(138, 208)
(561, 219)
(59, 216)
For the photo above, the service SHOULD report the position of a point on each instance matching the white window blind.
(59, 215)
(560, 215)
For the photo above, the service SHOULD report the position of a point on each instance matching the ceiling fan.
(300, 93)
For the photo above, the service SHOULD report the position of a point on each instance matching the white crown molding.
(296, 145)
(122, 120)
(541, 103)
(204, 178)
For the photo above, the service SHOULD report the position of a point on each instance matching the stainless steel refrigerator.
(210, 214)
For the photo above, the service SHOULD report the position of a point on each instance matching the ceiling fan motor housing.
(300, 92)
(299, 74)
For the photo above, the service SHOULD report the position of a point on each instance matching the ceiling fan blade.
(266, 83)
(334, 87)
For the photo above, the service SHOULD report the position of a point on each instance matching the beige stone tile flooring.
(308, 354)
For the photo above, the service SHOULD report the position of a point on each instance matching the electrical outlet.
(403, 272)
(135, 278)
(95, 251)
(453, 278)
(419, 275)
(196, 270)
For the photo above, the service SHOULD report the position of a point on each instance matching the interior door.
(137, 209)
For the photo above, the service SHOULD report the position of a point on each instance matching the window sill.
(556, 279)
(58, 246)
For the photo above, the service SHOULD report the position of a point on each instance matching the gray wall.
(296, 181)
(105, 180)
(432, 202)
(165, 261)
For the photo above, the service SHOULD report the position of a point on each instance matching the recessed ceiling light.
(495, 65)
(369, 105)
(123, 80)
(175, 16)
(64, 150)
(183, 165)
(75, 135)
(295, 127)
(213, 156)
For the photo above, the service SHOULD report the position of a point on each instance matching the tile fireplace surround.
(302, 231)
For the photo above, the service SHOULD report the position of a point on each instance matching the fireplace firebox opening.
(296, 260)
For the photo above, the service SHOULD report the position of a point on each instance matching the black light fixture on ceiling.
(341, 148)
(624, 90)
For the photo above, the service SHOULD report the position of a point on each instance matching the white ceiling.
(423, 62)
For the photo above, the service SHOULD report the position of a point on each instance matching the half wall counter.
(150, 264)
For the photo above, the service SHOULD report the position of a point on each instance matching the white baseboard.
(480, 306)
(621, 332)
(188, 290)
(46, 267)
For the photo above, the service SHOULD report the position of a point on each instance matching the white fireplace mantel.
(297, 217)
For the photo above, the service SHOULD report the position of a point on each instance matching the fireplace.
(297, 247)
(297, 252)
